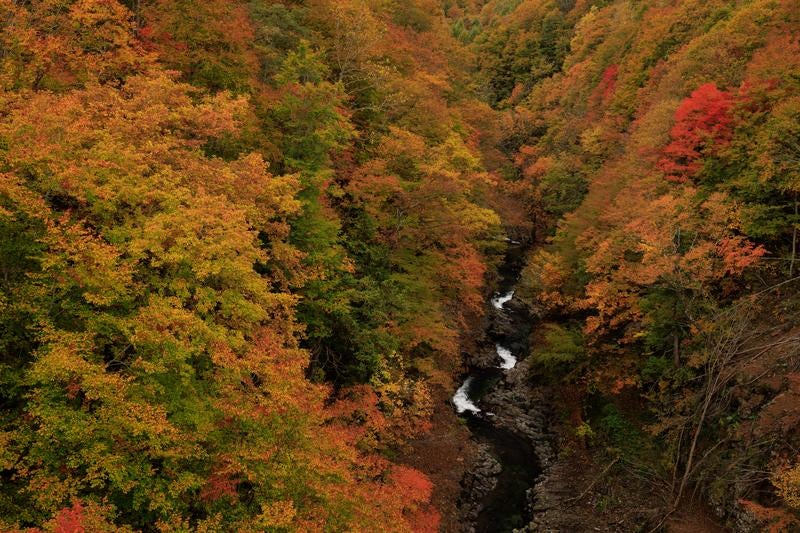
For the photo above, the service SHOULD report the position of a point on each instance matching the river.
(505, 506)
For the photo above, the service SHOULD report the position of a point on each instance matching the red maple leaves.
(703, 121)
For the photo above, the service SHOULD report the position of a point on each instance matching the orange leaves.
(62, 44)
(465, 273)
(359, 404)
(412, 484)
(212, 48)
(115, 132)
(775, 519)
(400, 502)
(220, 484)
(359, 419)
(738, 253)
(375, 193)
(778, 58)
(424, 520)
(538, 167)
(104, 29)
(681, 241)
(544, 277)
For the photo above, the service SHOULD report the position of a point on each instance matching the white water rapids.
(500, 300)
(508, 360)
(461, 398)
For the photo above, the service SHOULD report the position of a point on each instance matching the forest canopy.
(244, 243)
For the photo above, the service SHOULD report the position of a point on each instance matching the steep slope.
(246, 244)
(657, 145)
(241, 241)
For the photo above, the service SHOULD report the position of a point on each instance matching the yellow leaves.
(478, 221)
(354, 33)
(206, 234)
(722, 212)
(63, 359)
(787, 482)
(778, 157)
(271, 197)
(95, 266)
(167, 333)
(589, 31)
(128, 159)
(279, 514)
(453, 156)
(405, 402)
(593, 141)
(66, 365)
(171, 269)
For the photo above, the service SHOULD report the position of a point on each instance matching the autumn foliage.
(655, 148)
(703, 122)
(238, 239)
(241, 244)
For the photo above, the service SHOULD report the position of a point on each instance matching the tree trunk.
(710, 388)
(794, 239)
(676, 349)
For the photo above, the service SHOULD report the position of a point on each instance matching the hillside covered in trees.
(245, 246)
(659, 148)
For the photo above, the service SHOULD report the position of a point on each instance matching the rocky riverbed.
(507, 414)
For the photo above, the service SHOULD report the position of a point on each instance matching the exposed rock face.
(522, 408)
(512, 427)
(520, 416)
(479, 481)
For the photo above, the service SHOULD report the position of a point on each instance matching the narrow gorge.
(402, 266)
(508, 417)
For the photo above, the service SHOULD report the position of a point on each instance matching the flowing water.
(461, 398)
(499, 300)
(504, 508)
(508, 361)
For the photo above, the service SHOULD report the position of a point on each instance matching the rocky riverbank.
(492, 465)
(511, 426)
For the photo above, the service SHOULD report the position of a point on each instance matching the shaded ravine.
(498, 501)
